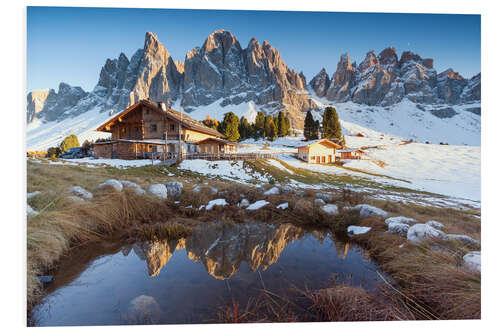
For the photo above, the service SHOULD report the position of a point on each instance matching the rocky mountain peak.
(450, 74)
(410, 56)
(388, 56)
(369, 61)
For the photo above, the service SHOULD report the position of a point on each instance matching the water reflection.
(185, 280)
(222, 248)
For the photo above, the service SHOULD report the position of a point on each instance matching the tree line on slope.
(238, 129)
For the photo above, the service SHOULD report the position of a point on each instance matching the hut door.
(329, 158)
(317, 159)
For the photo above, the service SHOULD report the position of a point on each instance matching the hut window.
(172, 127)
(153, 128)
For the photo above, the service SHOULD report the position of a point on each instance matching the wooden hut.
(216, 146)
(350, 154)
(320, 151)
(146, 128)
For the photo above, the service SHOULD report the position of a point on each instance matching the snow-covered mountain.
(221, 76)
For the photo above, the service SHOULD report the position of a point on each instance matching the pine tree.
(331, 125)
(283, 126)
(259, 126)
(271, 130)
(70, 141)
(310, 127)
(229, 126)
(288, 127)
(245, 128)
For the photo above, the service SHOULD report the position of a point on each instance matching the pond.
(187, 280)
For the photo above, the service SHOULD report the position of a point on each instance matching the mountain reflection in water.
(222, 248)
(187, 280)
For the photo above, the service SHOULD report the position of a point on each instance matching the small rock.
(81, 192)
(74, 198)
(323, 196)
(421, 232)
(174, 188)
(287, 189)
(435, 224)
(244, 203)
(463, 238)
(137, 189)
(201, 207)
(30, 211)
(319, 202)
(112, 183)
(400, 219)
(369, 211)
(300, 193)
(472, 260)
(303, 205)
(330, 209)
(197, 189)
(357, 230)
(45, 279)
(398, 228)
(283, 206)
(32, 194)
(257, 205)
(272, 191)
(144, 309)
(159, 190)
(216, 202)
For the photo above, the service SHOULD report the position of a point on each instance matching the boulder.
(30, 211)
(400, 219)
(435, 224)
(257, 205)
(369, 211)
(272, 191)
(472, 261)
(32, 194)
(74, 198)
(283, 206)
(144, 309)
(174, 188)
(287, 189)
(463, 238)
(137, 189)
(323, 196)
(330, 209)
(303, 205)
(216, 202)
(357, 230)
(398, 228)
(244, 203)
(319, 202)
(421, 232)
(159, 190)
(113, 183)
(81, 192)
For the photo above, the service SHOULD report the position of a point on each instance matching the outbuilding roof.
(323, 141)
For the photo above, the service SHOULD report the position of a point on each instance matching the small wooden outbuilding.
(350, 154)
(216, 146)
(320, 151)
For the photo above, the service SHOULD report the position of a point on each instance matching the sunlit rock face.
(222, 248)
(385, 79)
(220, 70)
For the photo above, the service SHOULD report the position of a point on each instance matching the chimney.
(163, 106)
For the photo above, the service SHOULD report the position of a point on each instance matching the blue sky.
(71, 44)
